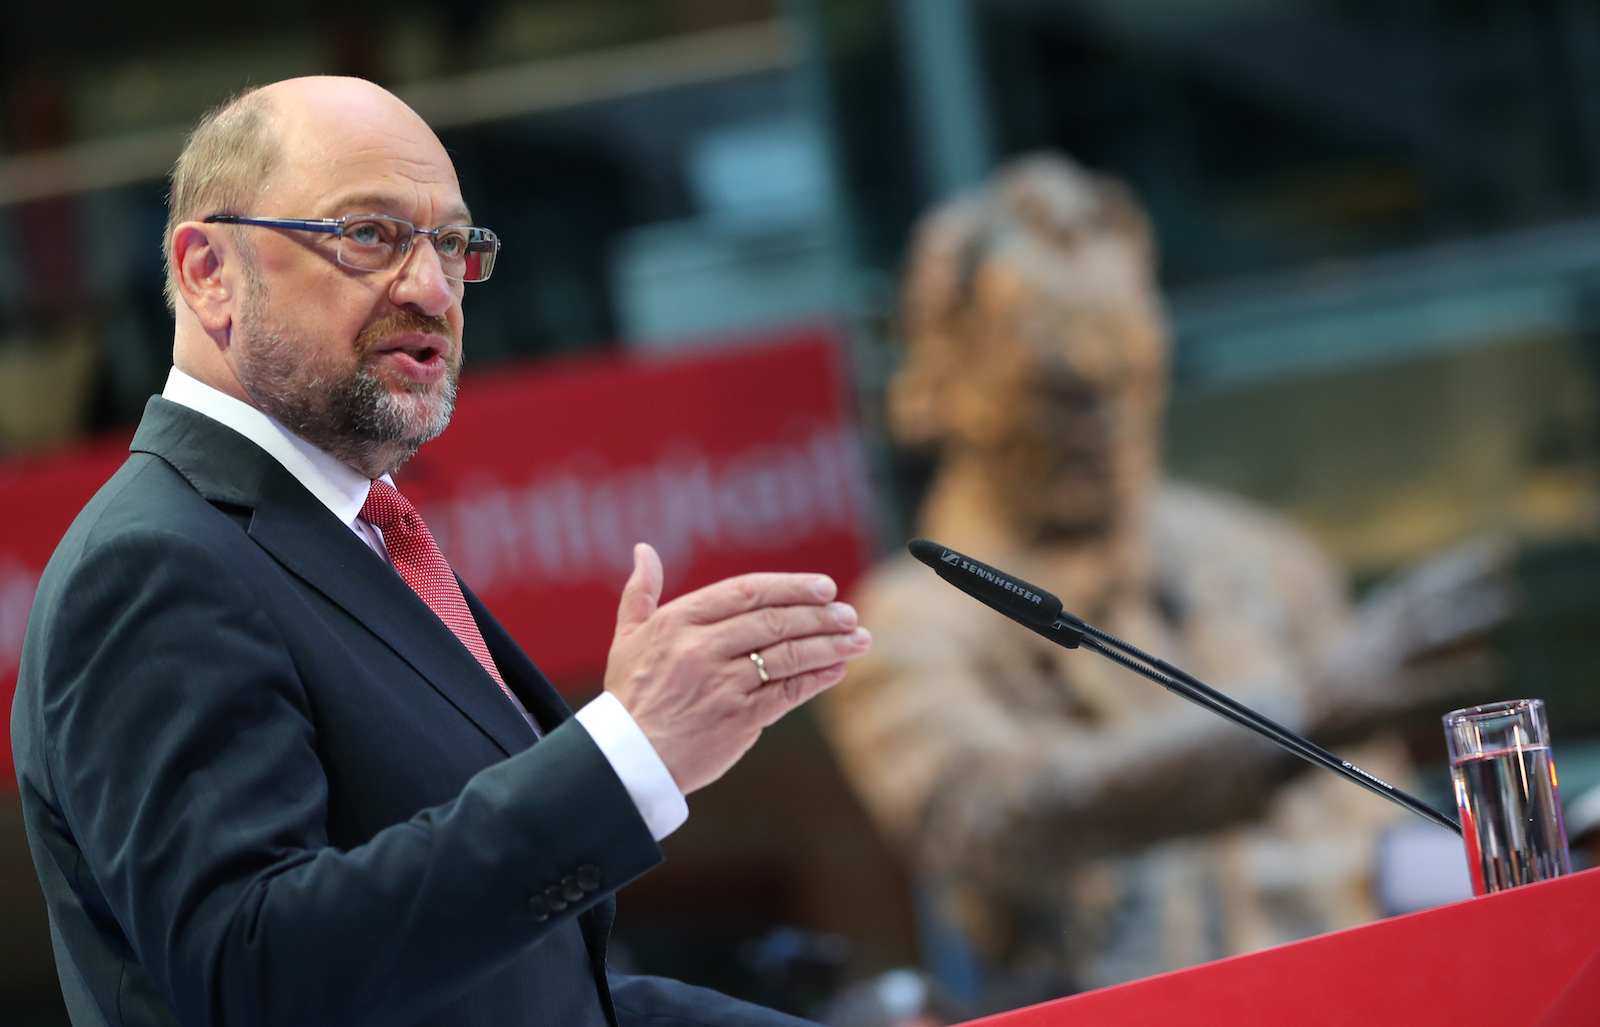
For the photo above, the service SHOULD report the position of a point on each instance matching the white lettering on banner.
(17, 585)
(571, 527)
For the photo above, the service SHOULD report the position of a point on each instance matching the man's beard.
(350, 415)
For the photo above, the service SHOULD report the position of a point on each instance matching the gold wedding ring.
(761, 667)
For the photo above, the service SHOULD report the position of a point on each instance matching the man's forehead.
(346, 141)
(326, 186)
(366, 201)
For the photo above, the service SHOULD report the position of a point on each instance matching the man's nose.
(421, 282)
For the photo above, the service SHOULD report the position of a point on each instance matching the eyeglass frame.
(335, 226)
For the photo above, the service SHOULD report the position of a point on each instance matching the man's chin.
(418, 417)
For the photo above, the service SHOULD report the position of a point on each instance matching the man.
(278, 766)
(1071, 824)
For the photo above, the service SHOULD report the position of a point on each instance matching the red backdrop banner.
(726, 461)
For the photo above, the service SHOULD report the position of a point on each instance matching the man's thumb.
(643, 590)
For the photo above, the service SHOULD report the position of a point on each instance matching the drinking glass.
(1505, 786)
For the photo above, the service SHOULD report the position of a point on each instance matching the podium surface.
(1527, 957)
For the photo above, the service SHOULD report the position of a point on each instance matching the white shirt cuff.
(647, 779)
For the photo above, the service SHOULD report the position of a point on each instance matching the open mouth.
(421, 357)
(421, 353)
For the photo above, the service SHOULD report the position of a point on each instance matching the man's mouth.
(417, 356)
(421, 353)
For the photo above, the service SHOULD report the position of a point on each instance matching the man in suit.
(278, 765)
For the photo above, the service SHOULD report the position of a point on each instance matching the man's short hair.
(224, 163)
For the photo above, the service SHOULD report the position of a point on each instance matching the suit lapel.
(306, 538)
(521, 676)
(309, 541)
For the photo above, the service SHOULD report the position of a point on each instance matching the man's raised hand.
(684, 671)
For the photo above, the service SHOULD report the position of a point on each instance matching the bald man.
(278, 765)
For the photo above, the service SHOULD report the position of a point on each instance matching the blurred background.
(1379, 227)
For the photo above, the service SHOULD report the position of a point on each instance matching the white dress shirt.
(343, 490)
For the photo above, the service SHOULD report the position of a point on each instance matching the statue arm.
(1418, 638)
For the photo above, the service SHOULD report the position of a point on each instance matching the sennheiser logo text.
(1005, 583)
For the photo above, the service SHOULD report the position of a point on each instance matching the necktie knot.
(385, 507)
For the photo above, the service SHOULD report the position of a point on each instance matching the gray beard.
(356, 419)
(353, 418)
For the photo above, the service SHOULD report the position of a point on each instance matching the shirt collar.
(336, 485)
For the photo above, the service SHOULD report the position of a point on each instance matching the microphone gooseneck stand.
(1042, 613)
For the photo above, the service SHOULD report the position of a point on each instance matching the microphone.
(1042, 613)
(1028, 605)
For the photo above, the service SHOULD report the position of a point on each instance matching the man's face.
(1070, 383)
(363, 412)
(363, 365)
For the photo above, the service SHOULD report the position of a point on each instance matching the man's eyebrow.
(388, 203)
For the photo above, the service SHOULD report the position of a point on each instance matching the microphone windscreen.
(1010, 595)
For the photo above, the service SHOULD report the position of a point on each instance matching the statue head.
(1036, 349)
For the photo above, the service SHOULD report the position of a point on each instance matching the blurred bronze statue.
(1072, 825)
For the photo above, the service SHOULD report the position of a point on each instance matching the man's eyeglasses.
(377, 242)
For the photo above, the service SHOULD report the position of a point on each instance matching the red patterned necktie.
(417, 557)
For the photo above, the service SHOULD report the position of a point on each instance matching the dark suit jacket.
(264, 784)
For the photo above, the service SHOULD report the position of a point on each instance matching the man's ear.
(205, 267)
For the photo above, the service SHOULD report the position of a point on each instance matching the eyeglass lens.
(377, 243)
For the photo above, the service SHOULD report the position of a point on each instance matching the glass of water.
(1505, 787)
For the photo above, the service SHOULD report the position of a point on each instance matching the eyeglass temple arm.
(302, 224)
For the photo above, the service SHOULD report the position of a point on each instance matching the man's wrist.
(648, 781)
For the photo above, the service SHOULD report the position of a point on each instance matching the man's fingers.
(643, 590)
(804, 655)
(747, 592)
(780, 697)
(770, 625)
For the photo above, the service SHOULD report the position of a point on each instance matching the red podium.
(1528, 957)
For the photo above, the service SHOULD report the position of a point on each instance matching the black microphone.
(1028, 605)
(1041, 612)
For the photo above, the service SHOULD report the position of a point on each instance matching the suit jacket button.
(570, 890)
(589, 877)
(555, 898)
(538, 910)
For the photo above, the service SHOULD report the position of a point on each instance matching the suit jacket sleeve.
(183, 756)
